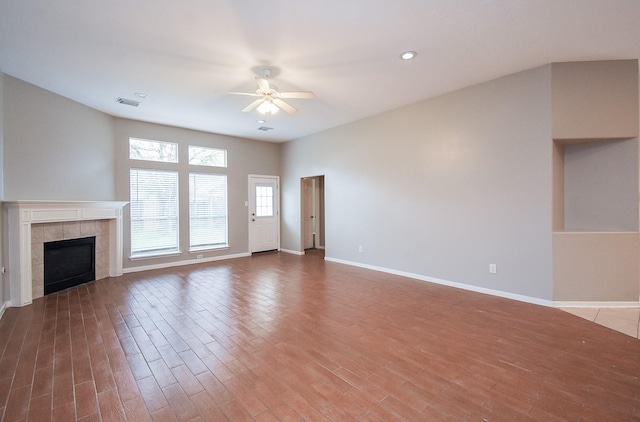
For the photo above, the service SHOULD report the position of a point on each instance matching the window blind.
(207, 210)
(154, 212)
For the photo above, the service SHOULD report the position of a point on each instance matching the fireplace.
(29, 224)
(43, 233)
(68, 263)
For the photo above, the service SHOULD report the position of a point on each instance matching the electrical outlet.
(360, 248)
(493, 269)
(199, 256)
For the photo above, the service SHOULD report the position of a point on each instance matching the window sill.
(208, 248)
(154, 255)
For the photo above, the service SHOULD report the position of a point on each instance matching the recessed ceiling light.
(262, 121)
(408, 55)
(140, 95)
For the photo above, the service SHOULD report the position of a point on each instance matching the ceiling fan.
(271, 100)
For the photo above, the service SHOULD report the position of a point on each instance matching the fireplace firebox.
(68, 263)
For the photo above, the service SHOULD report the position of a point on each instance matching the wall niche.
(597, 185)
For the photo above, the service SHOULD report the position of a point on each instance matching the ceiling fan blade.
(263, 84)
(298, 94)
(253, 105)
(249, 94)
(284, 106)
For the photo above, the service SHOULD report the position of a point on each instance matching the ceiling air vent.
(128, 102)
(265, 128)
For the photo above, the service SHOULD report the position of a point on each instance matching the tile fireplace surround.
(29, 223)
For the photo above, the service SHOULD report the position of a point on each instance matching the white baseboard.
(507, 295)
(185, 262)
(3, 308)
(594, 304)
(499, 293)
(292, 251)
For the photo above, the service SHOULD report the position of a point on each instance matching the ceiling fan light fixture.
(270, 100)
(267, 107)
(408, 55)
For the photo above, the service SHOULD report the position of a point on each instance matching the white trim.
(507, 295)
(208, 248)
(593, 304)
(3, 308)
(499, 293)
(154, 255)
(292, 251)
(185, 262)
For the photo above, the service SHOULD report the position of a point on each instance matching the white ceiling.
(187, 55)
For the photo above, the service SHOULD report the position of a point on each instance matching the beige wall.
(244, 157)
(55, 148)
(595, 129)
(596, 99)
(4, 287)
(595, 266)
(439, 189)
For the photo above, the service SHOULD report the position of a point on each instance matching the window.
(264, 200)
(207, 210)
(142, 149)
(155, 201)
(202, 156)
(154, 212)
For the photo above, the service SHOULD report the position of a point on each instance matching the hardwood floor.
(279, 337)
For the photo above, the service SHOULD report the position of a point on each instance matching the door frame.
(248, 206)
(319, 212)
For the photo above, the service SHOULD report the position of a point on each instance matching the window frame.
(148, 160)
(183, 169)
(260, 206)
(189, 149)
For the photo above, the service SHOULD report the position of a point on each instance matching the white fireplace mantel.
(18, 217)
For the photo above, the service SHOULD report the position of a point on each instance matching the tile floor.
(279, 337)
(624, 320)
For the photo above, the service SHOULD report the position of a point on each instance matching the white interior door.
(264, 215)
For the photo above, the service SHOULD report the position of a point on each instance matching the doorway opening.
(312, 212)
